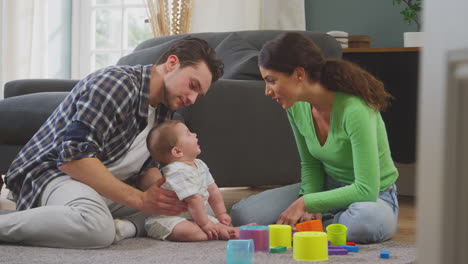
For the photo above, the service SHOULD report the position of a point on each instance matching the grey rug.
(145, 250)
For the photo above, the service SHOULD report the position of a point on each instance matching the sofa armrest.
(28, 86)
(20, 118)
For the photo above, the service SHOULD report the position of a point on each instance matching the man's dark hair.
(191, 51)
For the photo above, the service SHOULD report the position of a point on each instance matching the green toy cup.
(280, 235)
(310, 246)
(337, 234)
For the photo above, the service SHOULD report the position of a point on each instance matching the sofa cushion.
(29, 86)
(146, 56)
(239, 57)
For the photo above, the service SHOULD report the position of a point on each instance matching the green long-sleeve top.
(356, 152)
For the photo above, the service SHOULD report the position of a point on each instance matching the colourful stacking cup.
(312, 225)
(310, 246)
(337, 234)
(280, 235)
(259, 234)
(240, 251)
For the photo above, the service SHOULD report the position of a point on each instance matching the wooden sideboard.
(398, 69)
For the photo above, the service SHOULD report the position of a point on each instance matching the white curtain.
(236, 15)
(23, 34)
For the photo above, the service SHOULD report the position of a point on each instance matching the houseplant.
(411, 14)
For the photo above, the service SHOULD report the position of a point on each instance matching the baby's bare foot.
(234, 231)
(224, 233)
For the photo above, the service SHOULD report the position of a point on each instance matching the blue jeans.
(367, 222)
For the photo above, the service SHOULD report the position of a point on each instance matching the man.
(81, 169)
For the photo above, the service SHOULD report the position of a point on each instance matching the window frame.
(83, 34)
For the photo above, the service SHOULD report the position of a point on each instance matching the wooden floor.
(406, 226)
(406, 220)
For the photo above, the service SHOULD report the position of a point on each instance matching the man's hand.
(160, 201)
(224, 219)
(294, 212)
(151, 177)
(211, 230)
(308, 216)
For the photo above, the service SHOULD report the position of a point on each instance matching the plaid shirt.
(100, 118)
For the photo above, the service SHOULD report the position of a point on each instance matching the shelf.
(398, 69)
(362, 50)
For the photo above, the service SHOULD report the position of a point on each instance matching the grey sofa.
(245, 136)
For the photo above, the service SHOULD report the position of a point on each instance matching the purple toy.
(337, 251)
(259, 234)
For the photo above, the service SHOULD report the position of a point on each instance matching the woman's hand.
(294, 212)
(308, 216)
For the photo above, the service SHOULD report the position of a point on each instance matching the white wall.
(228, 15)
(445, 27)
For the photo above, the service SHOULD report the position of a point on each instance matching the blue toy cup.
(240, 251)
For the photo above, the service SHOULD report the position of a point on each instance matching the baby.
(176, 148)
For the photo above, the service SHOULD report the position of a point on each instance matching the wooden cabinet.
(398, 69)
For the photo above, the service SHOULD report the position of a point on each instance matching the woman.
(347, 173)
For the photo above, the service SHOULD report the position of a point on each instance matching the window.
(104, 31)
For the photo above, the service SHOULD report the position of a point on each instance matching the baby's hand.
(211, 230)
(224, 219)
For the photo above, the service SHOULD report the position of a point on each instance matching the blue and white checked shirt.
(100, 118)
